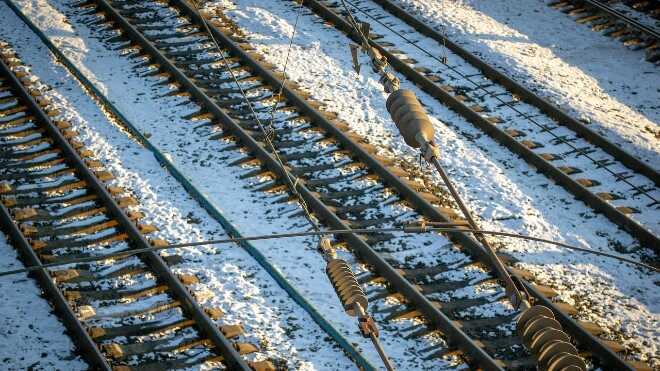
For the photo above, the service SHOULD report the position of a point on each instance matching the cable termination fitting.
(367, 326)
(390, 82)
(355, 303)
(325, 246)
(541, 333)
(378, 61)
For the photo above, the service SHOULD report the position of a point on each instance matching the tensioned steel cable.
(291, 180)
(379, 63)
(508, 104)
(412, 229)
(286, 63)
(324, 244)
(516, 292)
(365, 39)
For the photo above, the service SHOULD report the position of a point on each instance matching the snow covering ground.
(591, 76)
(462, 76)
(191, 150)
(499, 187)
(229, 278)
(31, 335)
(643, 17)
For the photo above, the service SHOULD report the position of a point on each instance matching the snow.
(592, 76)
(229, 278)
(31, 335)
(185, 143)
(505, 192)
(524, 118)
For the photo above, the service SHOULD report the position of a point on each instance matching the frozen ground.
(298, 258)
(507, 193)
(463, 76)
(31, 335)
(499, 187)
(229, 278)
(593, 77)
(644, 18)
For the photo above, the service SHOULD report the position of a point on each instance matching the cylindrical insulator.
(548, 335)
(537, 325)
(543, 336)
(410, 117)
(555, 350)
(566, 362)
(531, 313)
(346, 286)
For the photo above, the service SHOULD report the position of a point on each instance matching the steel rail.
(199, 196)
(476, 250)
(436, 317)
(579, 191)
(542, 104)
(81, 338)
(83, 341)
(231, 356)
(622, 17)
(431, 311)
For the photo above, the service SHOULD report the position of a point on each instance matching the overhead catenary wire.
(418, 132)
(443, 61)
(286, 64)
(291, 180)
(481, 237)
(413, 123)
(410, 229)
(355, 302)
(349, 348)
(353, 22)
(415, 127)
(367, 326)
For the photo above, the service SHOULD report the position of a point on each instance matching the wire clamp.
(367, 326)
(269, 133)
(390, 82)
(430, 151)
(354, 56)
(325, 246)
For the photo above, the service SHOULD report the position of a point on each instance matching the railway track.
(632, 22)
(593, 169)
(342, 180)
(130, 313)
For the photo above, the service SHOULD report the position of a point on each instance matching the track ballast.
(620, 20)
(131, 312)
(341, 178)
(598, 172)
